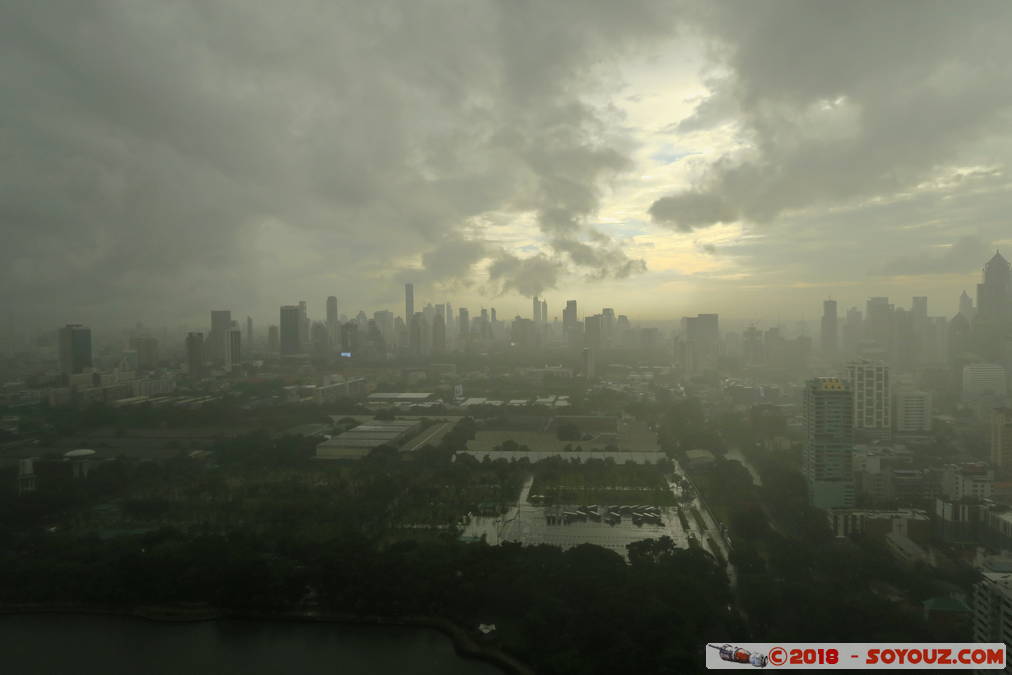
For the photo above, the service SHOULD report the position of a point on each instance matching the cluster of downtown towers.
(888, 346)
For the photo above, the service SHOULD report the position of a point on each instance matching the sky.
(750, 158)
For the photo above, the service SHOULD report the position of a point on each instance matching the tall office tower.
(409, 302)
(829, 443)
(303, 326)
(544, 311)
(992, 606)
(919, 307)
(913, 411)
(994, 308)
(830, 329)
(195, 354)
(872, 400)
(147, 351)
(966, 307)
(233, 349)
(464, 325)
(536, 312)
(416, 334)
(593, 329)
(291, 319)
(879, 323)
(1001, 441)
(494, 319)
(569, 316)
(273, 339)
(75, 348)
(333, 322)
(221, 324)
(439, 334)
(249, 332)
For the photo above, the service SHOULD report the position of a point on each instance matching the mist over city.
(483, 337)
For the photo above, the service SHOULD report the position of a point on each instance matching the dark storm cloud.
(844, 101)
(151, 146)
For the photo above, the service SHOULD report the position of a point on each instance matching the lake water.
(107, 645)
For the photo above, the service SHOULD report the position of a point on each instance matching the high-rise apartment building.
(872, 400)
(75, 348)
(1001, 441)
(829, 443)
(912, 412)
(409, 302)
(291, 320)
(992, 607)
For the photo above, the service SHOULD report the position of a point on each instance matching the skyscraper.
(464, 320)
(994, 308)
(830, 329)
(195, 354)
(291, 318)
(221, 324)
(829, 436)
(536, 311)
(409, 302)
(249, 332)
(333, 322)
(872, 400)
(569, 315)
(544, 311)
(303, 326)
(273, 339)
(233, 349)
(75, 348)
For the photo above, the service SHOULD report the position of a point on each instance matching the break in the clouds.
(164, 158)
(839, 102)
(150, 146)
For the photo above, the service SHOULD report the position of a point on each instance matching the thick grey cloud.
(844, 101)
(527, 276)
(166, 157)
(964, 255)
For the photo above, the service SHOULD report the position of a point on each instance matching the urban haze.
(485, 336)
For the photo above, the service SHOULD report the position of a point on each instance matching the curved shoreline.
(464, 644)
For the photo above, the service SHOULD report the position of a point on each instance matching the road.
(713, 530)
(432, 435)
